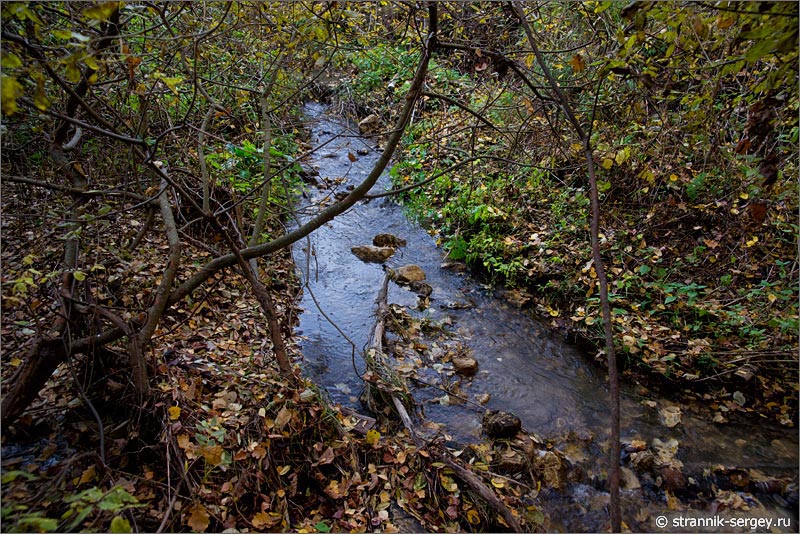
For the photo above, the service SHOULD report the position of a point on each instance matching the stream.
(553, 387)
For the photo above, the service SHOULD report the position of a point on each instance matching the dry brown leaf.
(284, 416)
(198, 518)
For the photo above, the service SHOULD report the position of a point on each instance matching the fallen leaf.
(261, 520)
(373, 437)
(284, 416)
(212, 454)
(174, 413)
(88, 475)
(198, 518)
(670, 416)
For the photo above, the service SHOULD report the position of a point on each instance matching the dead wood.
(441, 454)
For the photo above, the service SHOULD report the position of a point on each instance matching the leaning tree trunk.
(602, 279)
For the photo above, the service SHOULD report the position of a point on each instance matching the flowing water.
(552, 386)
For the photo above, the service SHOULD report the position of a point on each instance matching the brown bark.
(41, 360)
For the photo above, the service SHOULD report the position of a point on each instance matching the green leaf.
(117, 499)
(80, 276)
(120, 524)
(10, 61)
(11, 476)
(61, 34)
(669, 299)
(322, 527)
(101, 11)
(38, 524)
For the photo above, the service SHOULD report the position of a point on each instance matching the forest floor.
(223, 441)
(226, 442)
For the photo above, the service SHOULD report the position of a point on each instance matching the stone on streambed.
(501, 424)
(455, 266)
(369, 124)
(464, 365)
(388, 240)
(421, 288)
(512, 461)
(407, 274)
(372, 254)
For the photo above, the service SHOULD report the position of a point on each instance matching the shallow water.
(552, 386)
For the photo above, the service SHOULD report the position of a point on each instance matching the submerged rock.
(672, 478)
(628, 479)
(407, 274)
(388, 240)
(421, 288)
(501, 424)
(465, 365)
(369, 124)
(372, 254)
(455, 266)
(517, 298)
(512, 461)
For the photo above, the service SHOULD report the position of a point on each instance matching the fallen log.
(375, 363)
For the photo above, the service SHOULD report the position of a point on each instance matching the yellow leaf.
(39, 96)
(473, 517)
(198, 518)
(373, 437)
(577, 63)
(285, 469)
(498, 483)
(673, 178)
(101, 11)
(771, 297)
(744, 196)
(212, 454)
(530, 59)
(752, 241)
(723, 23)
(260, 520)
(88, 475)
(172, 83)
(607, 163)
(15, 362)
(11, 90)
(174, 412)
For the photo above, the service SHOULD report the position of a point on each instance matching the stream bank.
(524, 368)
